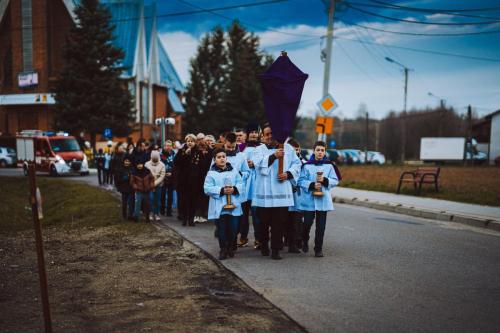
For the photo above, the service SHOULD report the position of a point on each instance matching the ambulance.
(54, 153)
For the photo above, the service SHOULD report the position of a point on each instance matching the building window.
(145, 103)
(27, 35)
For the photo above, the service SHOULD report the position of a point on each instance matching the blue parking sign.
(107, 133)
(333, 144)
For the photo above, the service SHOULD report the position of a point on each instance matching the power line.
(438, 10)
(173, 14)
(246, 23)
(356, 64)
(419, 22)
(421, 34)
(412, 9)
(426, 51)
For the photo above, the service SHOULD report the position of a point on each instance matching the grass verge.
(67, 205)
(477, 185)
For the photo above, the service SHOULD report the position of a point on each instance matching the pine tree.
(89, 92)
(243, 101)
(205, 92)
(225, 91)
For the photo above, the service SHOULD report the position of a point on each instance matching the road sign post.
(36, 202)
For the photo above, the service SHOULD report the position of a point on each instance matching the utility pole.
(328, 57)
(469, 132)
(366, 136)
(403, 117)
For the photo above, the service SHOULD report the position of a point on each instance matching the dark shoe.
(293, 249)
(276, 255)
(264, 252)
(222, 255)
(230, 253)
(305, 248)
(318, 254)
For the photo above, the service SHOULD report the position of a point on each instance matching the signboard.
(327, 104)
(107, 133)
(442, 149)
(324, 125)
(28, 79)
(25, 149)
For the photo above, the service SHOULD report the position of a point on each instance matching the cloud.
(373, 81)
(181, 47)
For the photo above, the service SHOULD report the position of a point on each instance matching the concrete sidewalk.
(444, 210)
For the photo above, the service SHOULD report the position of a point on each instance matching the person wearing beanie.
(157, 169)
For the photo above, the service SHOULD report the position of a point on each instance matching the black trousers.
(293, 230)
(273, 219)
(167, 189)
(245, 220)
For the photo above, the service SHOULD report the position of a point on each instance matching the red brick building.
(32, 35)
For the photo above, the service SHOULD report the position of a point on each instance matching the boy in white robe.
(317, 176)
(222, 181)
(272, 192)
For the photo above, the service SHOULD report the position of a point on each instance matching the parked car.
(354, 156)
(306, 153)
(375, 157)
(8, 157)
(336, 156)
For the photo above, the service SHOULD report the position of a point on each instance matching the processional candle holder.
(229, 205)
(318, 193)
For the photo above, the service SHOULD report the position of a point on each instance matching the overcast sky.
(360, 73)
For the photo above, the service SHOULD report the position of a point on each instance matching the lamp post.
(442, 112)
(164, 122)
(441, 100)
(403, 127)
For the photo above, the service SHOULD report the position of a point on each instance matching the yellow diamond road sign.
(327, 104)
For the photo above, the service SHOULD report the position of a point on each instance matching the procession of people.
(256, 174)
(245, 179)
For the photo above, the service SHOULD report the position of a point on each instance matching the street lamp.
(441, 100)
(403, 129)
(164, 122)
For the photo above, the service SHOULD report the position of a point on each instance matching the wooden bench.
(423, 175)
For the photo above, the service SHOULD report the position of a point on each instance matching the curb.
(475, 221)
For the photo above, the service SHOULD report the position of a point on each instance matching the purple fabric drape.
(282, 86)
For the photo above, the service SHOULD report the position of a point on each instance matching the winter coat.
(157, 170)
(122, 180)
(142, 180)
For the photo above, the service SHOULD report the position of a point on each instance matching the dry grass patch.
(479, 185)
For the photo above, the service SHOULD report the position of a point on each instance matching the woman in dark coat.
(189, 165)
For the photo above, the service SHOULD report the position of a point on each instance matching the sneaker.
(157, 218)
(201, 219)
(256, 245)
(242, 242)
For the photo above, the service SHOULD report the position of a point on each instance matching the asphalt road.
(382, 272)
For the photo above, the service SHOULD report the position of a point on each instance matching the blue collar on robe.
(228, 167)
(313, 160)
